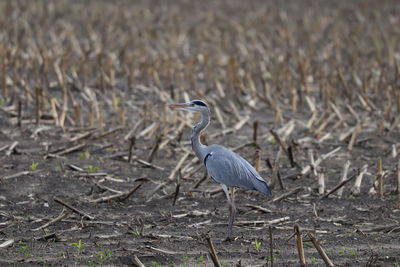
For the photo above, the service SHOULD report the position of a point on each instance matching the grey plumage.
(224, 166)
(228, 168)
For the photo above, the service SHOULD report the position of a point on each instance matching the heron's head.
(194, 105)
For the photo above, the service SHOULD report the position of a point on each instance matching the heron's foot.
(229, 239)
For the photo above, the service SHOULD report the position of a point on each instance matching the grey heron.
(223, 166)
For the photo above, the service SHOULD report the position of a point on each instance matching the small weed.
(185, 258)
(136, 232)
(313, 260)
(351, 252)
(24, 249)
(155, 264)
(84, 155)
(80, 246)
(91, 168)
(347, 252)
(61, 255)
(199, 259)
(257, 245)
(271, 139)
(104, 256)
(308, 244)
(91, 263)
(33, 166)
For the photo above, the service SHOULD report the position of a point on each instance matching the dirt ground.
(97, 170)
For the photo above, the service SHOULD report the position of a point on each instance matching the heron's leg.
(232, 212)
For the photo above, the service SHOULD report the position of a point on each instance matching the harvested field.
(97, 171)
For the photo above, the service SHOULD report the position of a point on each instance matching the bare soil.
(83, 83)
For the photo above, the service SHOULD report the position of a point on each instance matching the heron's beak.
(178, 106)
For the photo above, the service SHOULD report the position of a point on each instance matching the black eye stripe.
(199, 103)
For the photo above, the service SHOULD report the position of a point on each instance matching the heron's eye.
(199, 103)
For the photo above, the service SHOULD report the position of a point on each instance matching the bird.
(223, 165)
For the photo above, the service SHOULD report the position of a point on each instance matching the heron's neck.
(198, 147)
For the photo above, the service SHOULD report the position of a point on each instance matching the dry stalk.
(155, 148)
(321, 183)
(200, 181)
(295, 100)
(344, 177)
(136, 262)
(380, 176)
(394, 151)
(288, 194)
(122, 196)
(219, 117)
(129, 193)
(70, 149)
(279, 140)
(257, 160)
(213, 253)
(278, 112)
(255, 132)
(271, 246)
(320, 250)
(77, 115)
(178, 184)
(355, 190)
(81, 213)
(275, 170)
(131, 147)
(259, 208)
(354, 136)
(398, 179)
(62, 215)
(131, 133)
(19, 124)
(299, 244)
(11, 148)
(38, 104)
(18, 174)
(306, 170)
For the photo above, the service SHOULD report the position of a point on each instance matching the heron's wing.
(227, 167)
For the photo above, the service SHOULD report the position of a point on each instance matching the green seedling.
(24, 249)
(257, 245)
(346, 251)
(155, 264)
(104, 256)
(91, 263)
(185, 258)
(84, 155)
(79, 246)
(135, 232)
(91, 168)
(308, 244)
(199, 259)
(33, 166)
(110, 149)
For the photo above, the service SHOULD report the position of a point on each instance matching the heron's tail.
(262, 187)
